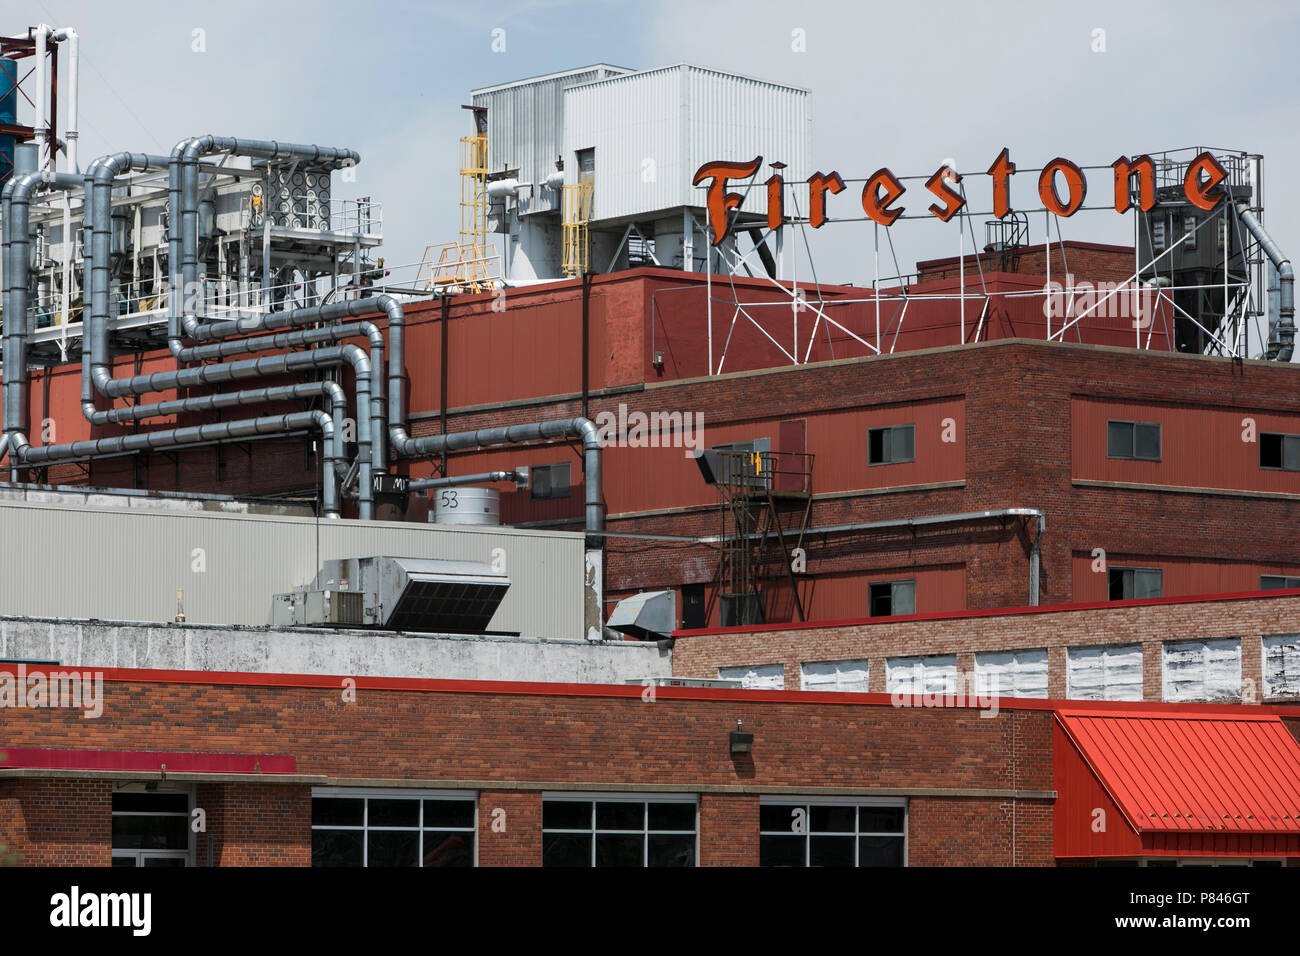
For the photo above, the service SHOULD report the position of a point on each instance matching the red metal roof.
(1193, 773)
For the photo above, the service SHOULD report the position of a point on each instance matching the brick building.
(292, 770)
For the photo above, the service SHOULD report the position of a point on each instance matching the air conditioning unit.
(400, 594)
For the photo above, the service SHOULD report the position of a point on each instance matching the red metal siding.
(1180, 576)
(1201, 446)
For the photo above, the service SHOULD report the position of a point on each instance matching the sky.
(908, 86)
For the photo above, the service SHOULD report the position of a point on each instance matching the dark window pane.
(625, 850)
(163, 861)
(830, 851)
(880, 851)
(778, 817)
(1148, 442)
(566, 815)
(336, 848)
(151, 802)
(393, 848)
(676, 850)
(1119, 439)
(876, 446)
(448, 813)
(334, 812)
(1120, 584)
(781, 850)
(566, 849)
(1270, 450)
(620, 816)
(880, 600)
(833, 819)
(1291, 453)
(672, 816)
(124, 861)
(1162, 863)
(394, 813)
(151, 833)
(448, 849)
(880, 820)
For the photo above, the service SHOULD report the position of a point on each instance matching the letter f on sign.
(719, 200)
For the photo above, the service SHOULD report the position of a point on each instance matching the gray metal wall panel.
(682, 117)
(127, 564)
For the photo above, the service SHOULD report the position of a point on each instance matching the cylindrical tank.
(8, 115)
(466, 505)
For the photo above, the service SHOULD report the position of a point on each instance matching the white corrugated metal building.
(638, 137)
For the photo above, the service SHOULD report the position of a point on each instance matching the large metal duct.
(407, 447)
(98, 374)
(17, 257)
(1286, 282)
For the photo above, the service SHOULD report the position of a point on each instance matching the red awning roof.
(1211, 773)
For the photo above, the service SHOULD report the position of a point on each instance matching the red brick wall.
(700, 655)
(978, 831)
(57, 822)
(510, 828)
(728, 829)
(254, 825)
(552, 741)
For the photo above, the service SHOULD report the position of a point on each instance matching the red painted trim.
(125, 675)
(991, 612)
(45, 758)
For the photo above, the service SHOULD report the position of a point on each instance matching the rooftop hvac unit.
(650, 615)
(400, 594)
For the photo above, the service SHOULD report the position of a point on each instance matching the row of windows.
(1196, 670)
(1135, 441)
(351, 828)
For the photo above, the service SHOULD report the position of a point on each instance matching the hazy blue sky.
(899, 85)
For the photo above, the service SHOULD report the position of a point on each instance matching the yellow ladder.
(577, 241)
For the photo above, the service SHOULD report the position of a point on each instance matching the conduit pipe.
(16, 202)
(405, 446)
(1286, 282)
(97, 371)
(420, 484)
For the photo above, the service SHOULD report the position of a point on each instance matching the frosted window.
(1282, 665)
(1203, 670)
(1110, 672)
(835, 675)
(756, 677)
(1011, 673)
(921, 675)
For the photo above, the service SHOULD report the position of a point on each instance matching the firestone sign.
(883, 189)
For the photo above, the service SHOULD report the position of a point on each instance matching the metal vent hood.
(419, 594)
(650, 615)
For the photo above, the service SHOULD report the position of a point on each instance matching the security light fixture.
(741, 742)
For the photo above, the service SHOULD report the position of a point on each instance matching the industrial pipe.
(1286, 282)
(16, 207)
(420, 484)
(70, 36)
(407, 447)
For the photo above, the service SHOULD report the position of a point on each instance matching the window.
(1108, 672)
(936, 674)
(1135, 440)
(835, 675)
(151, 828)
(886, 446)
(739, 610)
(1011, 673)
(864, 832)
(1282, 665)
(618, 830)
(392, 828)
(1133, 584)
(1279, 451)
(891, 598)
(757, 676)
(1277, 582)
(550, 481)
(1203, 670)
